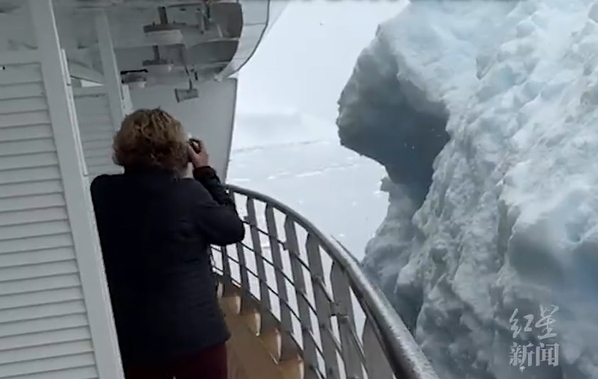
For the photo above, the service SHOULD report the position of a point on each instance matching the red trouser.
(209, 363)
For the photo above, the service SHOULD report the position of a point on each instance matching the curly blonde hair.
(151, 138)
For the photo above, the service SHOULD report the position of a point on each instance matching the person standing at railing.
(156, 225)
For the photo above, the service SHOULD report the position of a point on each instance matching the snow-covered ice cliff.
(485, 115)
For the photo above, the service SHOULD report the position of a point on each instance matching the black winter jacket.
(155, 231)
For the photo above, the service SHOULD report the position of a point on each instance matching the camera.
(195, 144)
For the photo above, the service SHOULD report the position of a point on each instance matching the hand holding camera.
(198, 155)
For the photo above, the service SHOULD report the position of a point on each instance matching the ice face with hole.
(484, 114)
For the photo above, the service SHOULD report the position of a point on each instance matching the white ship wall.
(209, 117)
(55, 316)
(97, 130)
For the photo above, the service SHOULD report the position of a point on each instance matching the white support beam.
(77, 69)
(79, 211)
(80, 71)
(112, 80)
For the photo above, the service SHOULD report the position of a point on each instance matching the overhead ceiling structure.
(155, 41)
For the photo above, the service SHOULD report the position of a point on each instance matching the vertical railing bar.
(225, 262)
(323, 306)
(357, 343)
(281, 283)
(340, 285)
(352, 358)
(243, 275)
(309, 348)
(376, 363)
(226, 271)
(265, 302)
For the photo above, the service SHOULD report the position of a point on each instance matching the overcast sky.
(309, 54)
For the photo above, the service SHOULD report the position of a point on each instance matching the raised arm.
(206, 175)
(215, 213)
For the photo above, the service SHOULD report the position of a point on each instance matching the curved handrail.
(404, 356)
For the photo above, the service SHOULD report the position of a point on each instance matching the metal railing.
(318, 295)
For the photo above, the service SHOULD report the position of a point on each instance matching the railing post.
(265, 302)
(285, 312)
(346, 322)
(376, 362)
(310, 354)
(226, 272)
(243, 274)
(323, 307)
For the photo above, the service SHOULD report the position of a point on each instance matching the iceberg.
(282, 126)
(484, 115)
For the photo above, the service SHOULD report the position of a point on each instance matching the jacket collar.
(149, 171)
